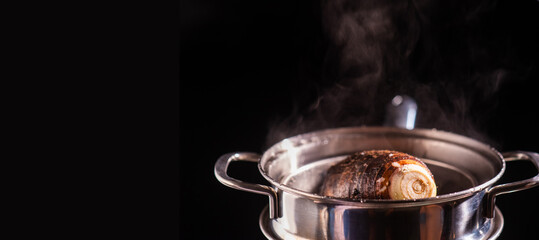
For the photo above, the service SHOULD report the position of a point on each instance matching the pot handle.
(401, 112)
(220, 170)
(491, 194)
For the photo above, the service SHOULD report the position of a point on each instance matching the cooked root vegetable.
(379, 174)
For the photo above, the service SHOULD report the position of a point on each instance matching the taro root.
(379, 174)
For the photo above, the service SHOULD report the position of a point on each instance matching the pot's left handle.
(221, 167)
(491, 194)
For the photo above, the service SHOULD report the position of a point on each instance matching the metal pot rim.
(385, 203)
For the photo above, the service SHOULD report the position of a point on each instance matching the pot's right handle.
(220, 173)
(491, 194)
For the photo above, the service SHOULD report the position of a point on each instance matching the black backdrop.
(246, 64)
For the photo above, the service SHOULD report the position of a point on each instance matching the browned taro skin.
(356, 176)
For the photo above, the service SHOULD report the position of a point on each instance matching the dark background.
(245, 65)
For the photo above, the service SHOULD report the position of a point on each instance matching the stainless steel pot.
(464, 169)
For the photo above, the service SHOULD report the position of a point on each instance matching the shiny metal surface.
(459, 219)
(464, 169)
(491, 194)
(221, 167)
(272, 230)
(482, 164)
(401, 112)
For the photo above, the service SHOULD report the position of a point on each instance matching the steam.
(444, 54)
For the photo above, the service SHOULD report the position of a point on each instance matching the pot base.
(273, 231)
